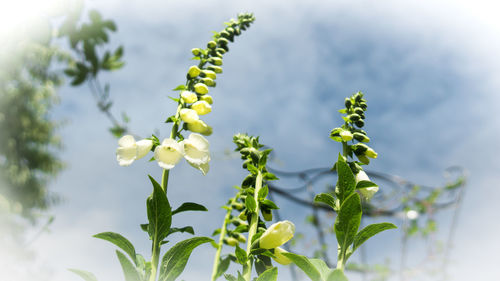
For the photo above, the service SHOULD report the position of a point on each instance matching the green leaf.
(337, 275)
(188, 229)
(230, 277)
(269, 176)
(252, 169)
(370, 231)
(189, 206)
(321, 266)
(270, 204)
(250, 204)
(120, 241)
(128, 268)
(223, 266)
(87, 276)
(269, 275)
(303, 263)
(263, 192)
(180, 88)
(348, 220)
(347, 181)
(171, 119)
(365, 184)
(159, 212)
(175, 260)
(241, 255)
(325, 198)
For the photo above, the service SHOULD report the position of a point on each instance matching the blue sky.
(428, 72)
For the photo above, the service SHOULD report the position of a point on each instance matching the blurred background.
(428, 70)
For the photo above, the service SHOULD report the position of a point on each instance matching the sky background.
(428, 70)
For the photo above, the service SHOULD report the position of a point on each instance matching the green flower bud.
(363, 159)
(231, 241)
(353, 117)
(279, 257)
(208, 73)
(225, 34)
(371, 153)
(345, 135)
(237, 31)
(189, 115)
(267, 214)
(194, 71)
(277, 235)
(211, 45)
(361, 137)
(241, 238)
(216, 69)
(358, 96)
(230, 30)
(243, 215)
(196, 51)
(188, 96)
(359, 111)
(199, 127)
(348, 102)
(201, 88)
(215, 61)
(207, 98)
(237, 206)
(220, 50)
(363, 105)
(222, 41)
(208, 81)
(201, 107)
(360, 123)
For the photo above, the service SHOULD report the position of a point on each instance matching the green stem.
(341, 251)
(219, 246)
(253, 226)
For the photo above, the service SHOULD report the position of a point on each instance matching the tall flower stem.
(219, 245)
(247, 275)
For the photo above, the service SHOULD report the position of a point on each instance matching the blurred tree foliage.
(32, 63)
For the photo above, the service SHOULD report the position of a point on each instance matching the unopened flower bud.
(237, 31)
(363, 105)
(199, 127)
(348, 102)
(188, 96)
(279, 257)
(359, 111)
(189, 115)
(220, 50)
(267, 214)
(224, 34)
(194, 71)
(215, 61)
(346, 135)
(208, 73)
(241, 238)
(222, 41)
(208, 81)
(360, 123)
(358, 96)
(363, 159)
(211, 45)
(201, 88)
(354, 117)
(237, 206)
(243, 215)
(361, 137)
(231, 241)
(201, 107)
(196, 51)
(207, 98)
(216, 69)
(230, 30)
(371, 153)
(277, 235)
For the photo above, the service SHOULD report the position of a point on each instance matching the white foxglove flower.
(129, 150)
(279, 257)
(196, 152)
(369, 191)
(168, 153)
(188, 96)
(201, 107)
(277, 234)
(188, 115)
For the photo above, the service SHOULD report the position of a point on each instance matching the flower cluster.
(195, 149)
(355, 107)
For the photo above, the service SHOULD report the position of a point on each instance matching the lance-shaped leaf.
(175, 260)
(269, 275)
(321, 266)
(223, 266)
(189, 206)
(119, 241)
(325, 198)
(347, 181)
(87, 276)
(337, 275)
(365, 184)
(188, 229)
(303, 263)
(128, 268)
(370, 231)
(159, 212)
(348, 220)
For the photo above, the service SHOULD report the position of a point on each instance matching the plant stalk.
(247, 275)
(219, 246)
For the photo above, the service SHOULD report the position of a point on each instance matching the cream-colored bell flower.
(201, 88)
(201, 107)
(169, 153)
(207, 98)
(280, 258)
(368, 192)
(189, 97)
(277, 234)
(346, 135)
(129, 150)
(200, 127)
(196, 149)
(188, 115)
